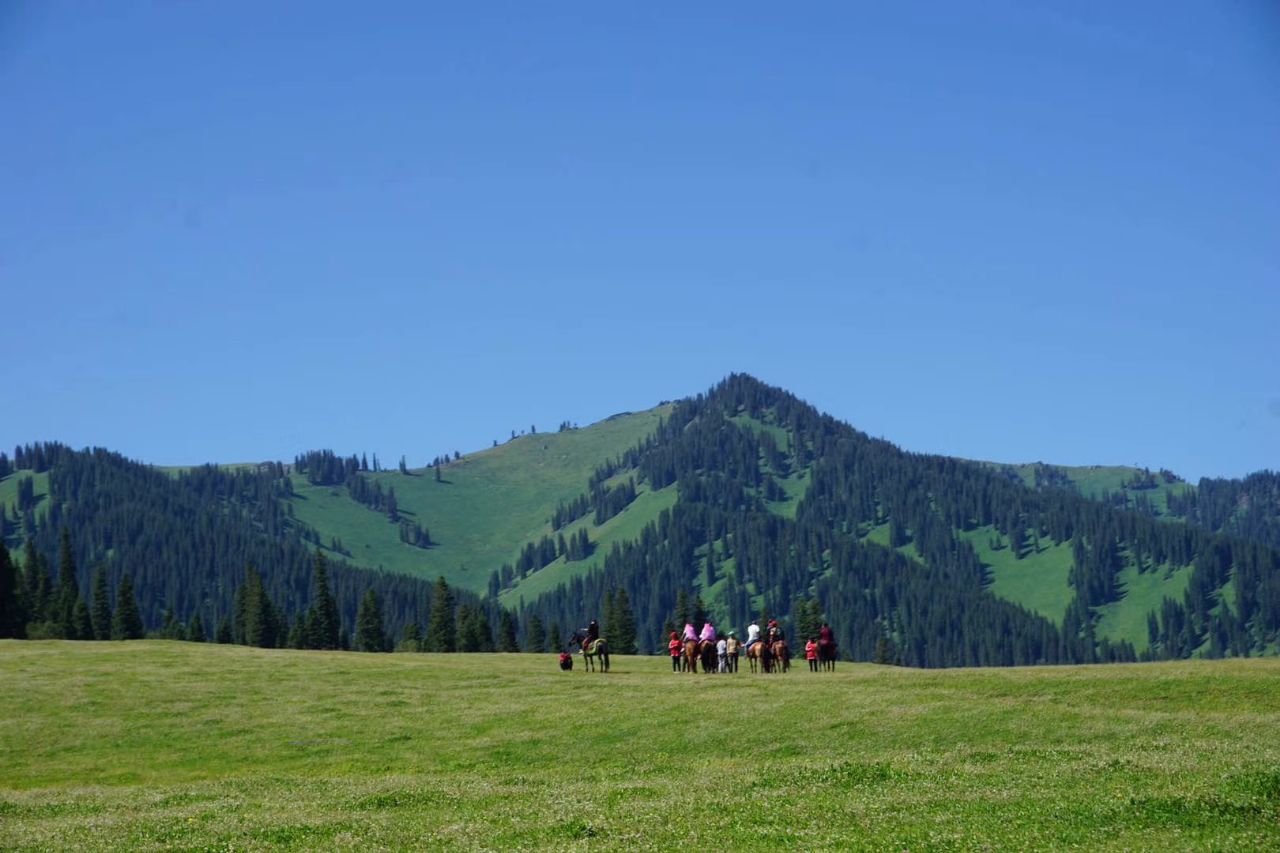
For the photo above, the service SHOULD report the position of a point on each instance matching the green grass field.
(166, 746)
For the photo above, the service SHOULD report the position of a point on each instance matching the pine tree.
(10, 606)
(223, 634)
(195, 630)
(410, 639)
(68, 590)
(101, 612)
(322, 617)
(260, 622)
(535, 635)
(682, 614)
(467, 639)
(81, 622)
(555, 637)
(623, 636)
(441, 635)
(126, 622)
(507, 632)
(370, 636)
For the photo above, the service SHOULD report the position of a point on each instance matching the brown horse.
(753, 655)
(690, 655)
(781, 656)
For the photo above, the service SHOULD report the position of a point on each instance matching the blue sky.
(1008, 230)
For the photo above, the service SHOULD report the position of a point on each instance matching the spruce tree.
(507, 632)
(260, 620)
(322, 618)
(441, 634)
(370, 636)
(68, 590)
(82, 623)
(195, 629)
(101, 612)
(468, 639)
(556, 639)
(10, 609)
(535, 635)
(411, 638)
(223, 635)
(623, 636)
(126, 622)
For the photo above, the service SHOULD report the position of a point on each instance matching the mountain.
(739, 500)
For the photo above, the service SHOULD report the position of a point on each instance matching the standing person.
(722, 652)
(677, 649)
(811, 654)
(732, 647)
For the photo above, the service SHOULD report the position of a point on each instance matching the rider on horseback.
(753, 635)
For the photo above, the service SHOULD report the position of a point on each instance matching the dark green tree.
(126, 622)
(12, 621)
(535, 635)
(441, 633)
(507, 632)
(195, 629)
(322, 618)
(370, 635)
(259, 623)
(410, 638)
(68, 590)
(82, 623)
(223, 634)
(622, 638)
(101, 612)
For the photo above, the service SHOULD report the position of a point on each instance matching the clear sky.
(1004, 230)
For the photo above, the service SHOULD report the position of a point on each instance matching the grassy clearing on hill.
(9, 488)
(489, 504)
(155, 745)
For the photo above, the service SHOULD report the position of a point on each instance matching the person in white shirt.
(722, 649)
(753, 634)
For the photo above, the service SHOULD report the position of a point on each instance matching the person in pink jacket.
(689, 633)
(708, 632)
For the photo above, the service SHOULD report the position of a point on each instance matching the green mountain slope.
(483, 509)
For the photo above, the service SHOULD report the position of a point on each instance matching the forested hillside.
(898, 548)
(735, 503)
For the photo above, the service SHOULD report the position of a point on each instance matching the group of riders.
(767, 651)
(720, 652)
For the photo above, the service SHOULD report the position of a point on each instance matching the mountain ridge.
(782, 444)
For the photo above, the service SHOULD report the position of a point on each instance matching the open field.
(159, 745)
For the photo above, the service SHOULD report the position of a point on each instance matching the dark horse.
(707, 650)
(591, 649)
(827, 655)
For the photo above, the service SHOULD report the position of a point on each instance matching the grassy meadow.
(161, 745)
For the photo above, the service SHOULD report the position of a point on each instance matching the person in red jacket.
(677, 649)
(811, 654)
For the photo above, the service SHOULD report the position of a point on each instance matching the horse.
(691, 655)
(591, 649)
(707, 651)
(753, 655)
(827, 655)
(781, 655)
